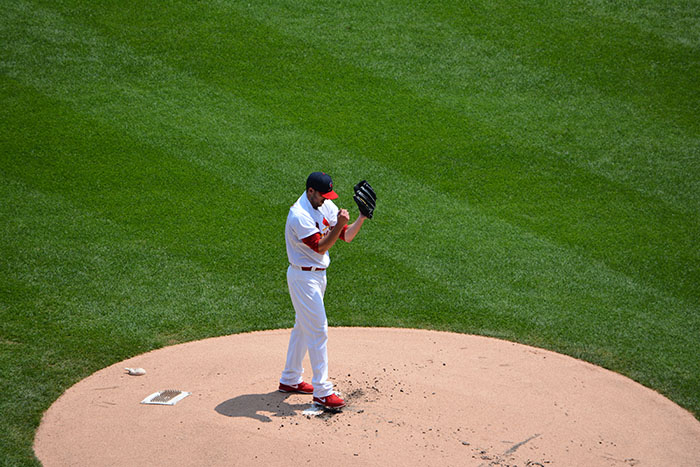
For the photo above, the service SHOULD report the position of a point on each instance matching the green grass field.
(537, 166)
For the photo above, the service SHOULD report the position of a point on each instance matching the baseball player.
(313, 226)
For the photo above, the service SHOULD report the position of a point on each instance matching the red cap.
(322, 183)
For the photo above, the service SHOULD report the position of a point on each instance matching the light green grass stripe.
(677, 21)
(102, 275)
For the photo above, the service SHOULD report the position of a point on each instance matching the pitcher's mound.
(414, 398)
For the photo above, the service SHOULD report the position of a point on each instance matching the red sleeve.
(312, 241)
(342, 233)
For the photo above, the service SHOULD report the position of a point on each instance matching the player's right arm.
(329, 240)
(322, 245)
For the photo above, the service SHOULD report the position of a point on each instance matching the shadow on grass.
(256, 405)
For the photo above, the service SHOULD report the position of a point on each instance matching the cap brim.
(330, 195)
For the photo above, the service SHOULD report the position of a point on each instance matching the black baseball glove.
(366, 198)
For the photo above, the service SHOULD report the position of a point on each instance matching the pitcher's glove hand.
(366, 198)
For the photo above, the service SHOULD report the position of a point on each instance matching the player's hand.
(343, 217)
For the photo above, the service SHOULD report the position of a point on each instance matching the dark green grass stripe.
(123, 179)
(430, 143)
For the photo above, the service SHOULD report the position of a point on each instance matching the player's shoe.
(330, 402)
(301, 388)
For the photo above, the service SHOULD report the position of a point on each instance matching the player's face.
(315, 198)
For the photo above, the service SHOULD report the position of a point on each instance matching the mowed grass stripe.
(390, 124)
(473, 74)
(164, 202)
(579, 41)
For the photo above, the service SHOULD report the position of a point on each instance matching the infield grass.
(537, 167)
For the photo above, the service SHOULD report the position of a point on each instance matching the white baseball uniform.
(307, 288)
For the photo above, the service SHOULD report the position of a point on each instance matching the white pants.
(310, 332)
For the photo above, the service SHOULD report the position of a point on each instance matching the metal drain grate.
(166, 397)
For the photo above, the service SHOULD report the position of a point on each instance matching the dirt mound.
(414, 397)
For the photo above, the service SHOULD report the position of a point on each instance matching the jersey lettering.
(326, 228)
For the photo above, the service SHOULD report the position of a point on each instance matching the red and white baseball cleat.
(331, 402)
(301, 388)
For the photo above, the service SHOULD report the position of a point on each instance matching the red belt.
(307, 268)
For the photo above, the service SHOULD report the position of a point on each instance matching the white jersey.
(303, 221)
